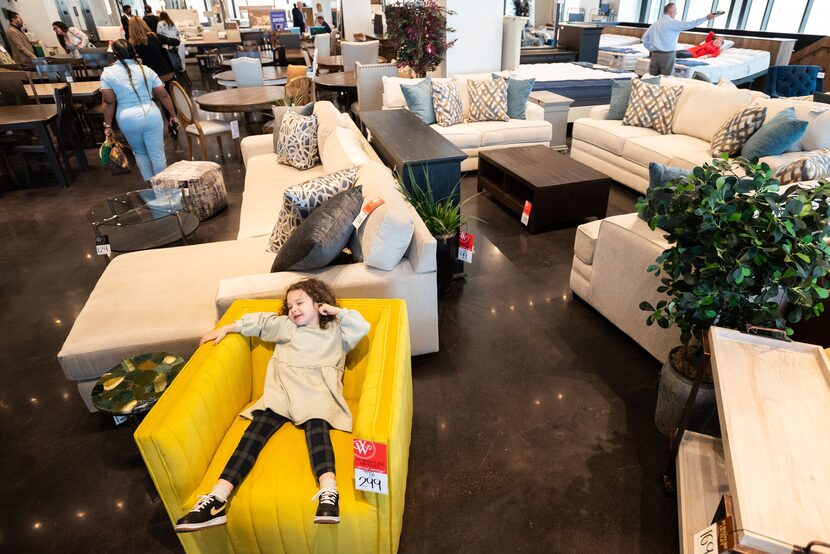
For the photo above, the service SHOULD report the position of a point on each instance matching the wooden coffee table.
(559, 188)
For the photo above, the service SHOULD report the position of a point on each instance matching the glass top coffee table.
(142, 219)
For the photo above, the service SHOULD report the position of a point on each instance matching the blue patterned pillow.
(488, 100)
(446, 101)
(775, 136)
(518, 91)
(419, 100)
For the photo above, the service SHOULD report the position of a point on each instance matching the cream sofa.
(623, 152)
(165, 299)
(478, 136)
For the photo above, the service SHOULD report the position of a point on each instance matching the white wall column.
(478, 30)
(357, 18)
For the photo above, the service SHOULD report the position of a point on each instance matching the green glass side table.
(135, 385)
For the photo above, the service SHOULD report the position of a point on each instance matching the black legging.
(167, 85)
(263, 425)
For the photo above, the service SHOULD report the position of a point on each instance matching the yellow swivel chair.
(187, 438)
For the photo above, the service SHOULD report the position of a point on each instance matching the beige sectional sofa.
(624, 152)
(478, 136)
(611, 255)
(165, 299)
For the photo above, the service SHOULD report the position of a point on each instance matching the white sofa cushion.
(586, 240)
(690, 159)
(701, 111)
(328, 119)
(515, 131)
(384, 236)
(817, 135)
(662, 148)
(463, 135)
(608, 134)
(781, 159)
(343, 151)
(392, 94)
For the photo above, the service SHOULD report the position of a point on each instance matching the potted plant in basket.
(418, 31)
(743, 252)
(443, 219)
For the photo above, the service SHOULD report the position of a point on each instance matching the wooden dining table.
(245, 99)
(270, 76)
(80, 89)
(35, 118)
(262, 61)
(342, 82)
(335, 63)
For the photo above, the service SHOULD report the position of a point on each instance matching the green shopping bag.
(104, 152)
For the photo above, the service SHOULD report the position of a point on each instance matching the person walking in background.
(661, 39)
(166, 28)
(148, 46)
(127, 91)
(150, 19)
(125, 19)
(21, 49)
(297, 16)
(71, 39)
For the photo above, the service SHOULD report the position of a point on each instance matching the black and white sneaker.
(208, 512)
(328, 509)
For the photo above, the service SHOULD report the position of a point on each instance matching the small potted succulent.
(744, 251)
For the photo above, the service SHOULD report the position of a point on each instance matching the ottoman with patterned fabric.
(201, 182)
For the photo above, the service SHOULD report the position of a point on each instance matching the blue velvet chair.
(793, 80)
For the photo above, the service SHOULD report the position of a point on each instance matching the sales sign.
(279, 20)
(370, 466)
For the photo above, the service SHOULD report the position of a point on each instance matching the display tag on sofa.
(526, 212)
(364, 213)
(718, 537)
(234, 129)
(370, 466)
(102, 246)
(466, 246)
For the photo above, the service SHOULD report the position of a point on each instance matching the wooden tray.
(774, 407)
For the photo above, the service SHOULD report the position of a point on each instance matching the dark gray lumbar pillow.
(322, 235)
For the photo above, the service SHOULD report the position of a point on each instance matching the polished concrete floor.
(532, 429)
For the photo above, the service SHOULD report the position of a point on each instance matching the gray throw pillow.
(322, 235)
(279, 113)
(659, 175)
(621, 95)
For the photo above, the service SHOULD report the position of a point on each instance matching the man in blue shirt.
(661, 39)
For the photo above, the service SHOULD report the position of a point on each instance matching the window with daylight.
(756, 15)
(818, 17)
(786, 15)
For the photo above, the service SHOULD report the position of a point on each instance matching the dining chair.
(322, 44)
(96, 59)
(300, 91)
(188, 112)
(52, 72)
(363, 52)
(247, 72)
(13, 85)
(291, 41)
(245, 53)
(67, 132)
(369, 79)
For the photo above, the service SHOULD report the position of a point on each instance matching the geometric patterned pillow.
(651, 106)
(732, 135)
(814, 165)
(488, 100)
(297, 142)
(300, 200)
(446, 101)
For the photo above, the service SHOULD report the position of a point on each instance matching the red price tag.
(466, 248)
(370, 467)
(526, 212)
(364, 213)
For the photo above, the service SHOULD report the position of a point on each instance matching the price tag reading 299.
(370, 467)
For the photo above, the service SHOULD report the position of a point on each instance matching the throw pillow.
(342, 150)
(322, 236)
(279, 115)
(652, 106)
(488, 100)
(775, 136)
(518, 92)
(724, 82)
(383, 239)
(297, 143)
(658, 176)
(300, 200)
(817, 135)
(446, 101)
(814, 165)
(419, 100)
(733, 134)
(621, 96)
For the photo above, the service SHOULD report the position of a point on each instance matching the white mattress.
(616, 41)
(733, 64)
(627, 60)
(566, 72)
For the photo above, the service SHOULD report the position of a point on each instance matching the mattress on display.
(587, 84)
(733, 64)
(610, 40)
(625, 57)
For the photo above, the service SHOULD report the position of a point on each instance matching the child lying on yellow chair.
(303, 385)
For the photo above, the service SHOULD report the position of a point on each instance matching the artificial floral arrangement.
(418, 31)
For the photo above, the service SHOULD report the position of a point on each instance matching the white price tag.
(186, 191)
(234, 129)
(370, 481)
(820, 75)
(706, 541)
(119, 419)
(102, 246)
(69, 78)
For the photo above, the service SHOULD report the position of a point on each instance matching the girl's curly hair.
(318, 292)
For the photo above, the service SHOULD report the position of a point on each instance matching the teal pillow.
(621, 95)
(419, 100)
(775, 136)
(660, 175)
(518, 91)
